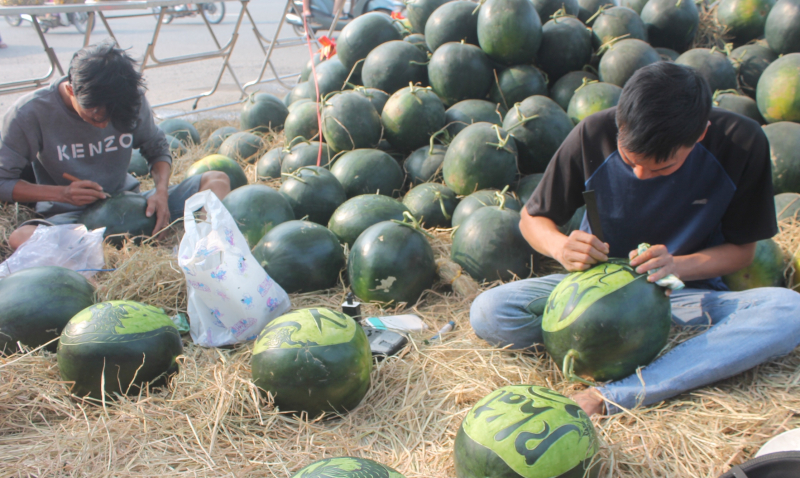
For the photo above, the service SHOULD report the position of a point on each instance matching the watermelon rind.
(257, 208)
(347, 467)
(766, 270)
(356, 214)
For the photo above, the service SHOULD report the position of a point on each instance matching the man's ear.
(702, 136)
(69, 89)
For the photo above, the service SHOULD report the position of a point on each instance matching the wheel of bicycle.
(80, 19)
(14, 20)
(214, 12)
(167, 17)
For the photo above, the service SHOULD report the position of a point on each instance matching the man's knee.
(218, 182)
(19, 236)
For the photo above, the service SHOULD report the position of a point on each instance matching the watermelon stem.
(586, 81)
(436, 134)
(522, 118)
(605, 46)
(410, 221)
(437, 196)
(502, 142)
(497, 82)
(352, 70)
(501, 197)
(480, 4)
(568, 369)
(596, 14)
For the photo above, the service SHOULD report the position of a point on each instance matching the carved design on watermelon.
(295, 330)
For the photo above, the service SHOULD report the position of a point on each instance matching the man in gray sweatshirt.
(84, 127)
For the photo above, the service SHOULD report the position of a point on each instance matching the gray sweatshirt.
(40, 129)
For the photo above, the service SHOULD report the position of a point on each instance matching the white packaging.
(231, 297)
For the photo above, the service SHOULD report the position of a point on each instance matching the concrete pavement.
(25, 58)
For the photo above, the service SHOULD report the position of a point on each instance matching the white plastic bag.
(69, 245)
(231, 297)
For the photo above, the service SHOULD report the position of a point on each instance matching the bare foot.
(590, 400)
(3, 45)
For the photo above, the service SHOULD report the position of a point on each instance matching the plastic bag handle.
(206, 199)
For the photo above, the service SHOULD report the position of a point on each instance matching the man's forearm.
(26, 192)
(714, 261)
(541, 233)
(161, 172)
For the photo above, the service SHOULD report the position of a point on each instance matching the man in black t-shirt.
(694, 181)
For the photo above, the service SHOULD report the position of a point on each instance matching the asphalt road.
(25, 58)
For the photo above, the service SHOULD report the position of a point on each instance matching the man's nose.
(642, 173)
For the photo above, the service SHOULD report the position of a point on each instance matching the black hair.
(663, 106)
(103, 75)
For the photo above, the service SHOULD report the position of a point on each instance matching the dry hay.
(710, 33)
(211, 421)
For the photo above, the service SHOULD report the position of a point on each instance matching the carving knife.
(590, 199)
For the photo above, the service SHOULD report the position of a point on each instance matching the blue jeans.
(747, 328)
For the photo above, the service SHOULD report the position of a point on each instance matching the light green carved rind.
(316, 327)
(534, 430)
(347, 467)
(116, 317)
(579, 290)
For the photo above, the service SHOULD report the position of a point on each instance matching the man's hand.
(581, 251)
(656, 257)
(158, 204)
(81, 193)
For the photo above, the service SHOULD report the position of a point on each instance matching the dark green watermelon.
(391, 262)
(349, 121)
(591, 98)
(269, 166)
(481, 156)
(305, 73)
(314, 361)
(347, 467)
(605, 322)
(778, 92)
(589, 8)
(574, 222)
(418, 12)
(464, 113)
(509, 31)
(527, 185)
(624, 57)
(452, 22)
(563, 89)
(616, 22)
(458, 71)
(314, 192)
(217, 137)
(566, 46)
(784, 150)
(181, 129)
(787, 205)
(743, 20)
(368, 171)
(242, 146)
(526, 431)
(489, 245)
(118, 347)
(138, 165)
(548, 8)
(484, 198)
(667, 54)
(302, 91)
(263, 112)
(393, 65)
(766, 270)
(121, 214)
(635, 5)
(356, 214)
(711, 65)
(302, 122)
(418, 40)
(33, 323)
(743, 105)
(362, 35)
(375, 96)
(331, 76)
(297, 103)
(539, 126)
(304, 154)
(516, 83)
(432, 204)
(670, 23)
(300, 256)
(176, 146)
(750, 62)
(218, 162)
(782, 28)
(257, 209)
(411, 116)
(425, 164)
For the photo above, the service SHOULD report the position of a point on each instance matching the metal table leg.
(34, 83)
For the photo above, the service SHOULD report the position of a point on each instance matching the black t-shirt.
(721, 194)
